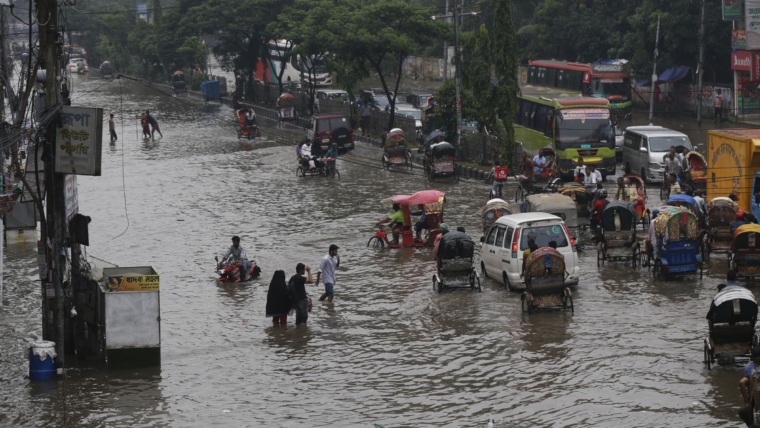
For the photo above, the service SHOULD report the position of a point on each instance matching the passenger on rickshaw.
(306, 154)
(598, 208)
(526, 167)
(444, 230)
(540, 162)
(250, 118)
(397, 222)
(421, 224)
(532, 246)
(740, 221)
(579, 171)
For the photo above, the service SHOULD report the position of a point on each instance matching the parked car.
(329, 94)
(619, 143)
(409, 111)
(381, 102)
(418, 100)
(644, 148)
(325, 129)
(502, 247)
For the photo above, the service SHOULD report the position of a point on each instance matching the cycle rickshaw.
(494, 210)
(441, 162)
(545, 282)
(617, 239)
(731, 320)
(676, 251)
(697, 170)
(721, 212)
(456, 253)
(744, 257)
(582, 198)
(432, 204)
(395, 150)
(248, 128)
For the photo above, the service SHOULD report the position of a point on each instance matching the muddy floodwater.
(389, 350)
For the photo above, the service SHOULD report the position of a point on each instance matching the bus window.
(540, 78)
(532, 74)
(578, 127)
(543, 113)
(517, 110)
(524, 113)
(551, 77)
(532, 116)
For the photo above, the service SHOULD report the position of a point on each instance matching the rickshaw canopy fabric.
(554, 203)
(626, 213)
(734, 304)
(673, 200)
(697, 164)
(722, 201)
(433, 135)
(456, 245)
(742, 238)
(679, 222)
(395, 140)
(494, 210)
(396, 131)
(544, 261)
(442, 149)
(423, 197)
(286, 100)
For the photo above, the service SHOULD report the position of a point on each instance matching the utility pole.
(446, 49)
(50, 48)
(458, 58)
(701, 66)
(654, 71)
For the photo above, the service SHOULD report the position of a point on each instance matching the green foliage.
(505, 66)
(445, 110)
(476, 72)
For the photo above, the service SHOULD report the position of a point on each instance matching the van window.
(508, 237)
(492, 236)
(662, 144)
(632, 141)
(500, 237)
(543, 235)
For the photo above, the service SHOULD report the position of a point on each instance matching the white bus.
(294, 67)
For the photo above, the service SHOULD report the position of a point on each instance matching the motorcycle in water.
(229, 273)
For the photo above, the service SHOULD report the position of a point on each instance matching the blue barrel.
(41, 360)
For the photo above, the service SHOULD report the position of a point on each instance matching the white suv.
(502, 247)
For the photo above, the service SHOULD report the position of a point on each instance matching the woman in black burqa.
(278, 300)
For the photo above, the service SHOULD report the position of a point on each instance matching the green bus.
(602, 79)
(571, 124)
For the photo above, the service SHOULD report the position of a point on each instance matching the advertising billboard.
(752, 23)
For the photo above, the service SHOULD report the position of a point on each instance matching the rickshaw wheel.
(525, 304)
(519, 194)
(472, 279)
(375, 242)
(567, 302)
(480, 289)
(636, 254)
(656, 268)
(505, 278)
(600, 258)
(250, 136)
(240, 134)
(335, 173)
(708, 357)
(300, 172)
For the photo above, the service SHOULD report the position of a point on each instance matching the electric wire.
(123, 174)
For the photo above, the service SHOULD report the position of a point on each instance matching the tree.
(505, 69)
(445, 107)
(388, 30)
(476, 72)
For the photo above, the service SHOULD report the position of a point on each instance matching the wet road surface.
(389, 350)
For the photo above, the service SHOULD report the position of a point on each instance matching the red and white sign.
(754, 70)
(741, 60)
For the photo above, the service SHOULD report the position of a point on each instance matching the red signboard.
(754, 71)
(741, 61)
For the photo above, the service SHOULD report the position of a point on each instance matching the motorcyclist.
(237, 254)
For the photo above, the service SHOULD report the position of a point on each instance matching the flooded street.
(390, 350)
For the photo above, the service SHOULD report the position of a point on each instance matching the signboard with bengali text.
(738, 39)
(79, 141)
(752, 23)
(585, 113)
(733, 10)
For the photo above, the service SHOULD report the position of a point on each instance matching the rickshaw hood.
(747, 228)
(423, 197)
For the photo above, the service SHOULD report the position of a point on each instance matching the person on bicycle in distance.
(673, 165)
(397, 222)
(540, 162)
(579, 170)
(499, 175)
(591, 182)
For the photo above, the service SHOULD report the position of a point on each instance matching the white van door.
(489, 255)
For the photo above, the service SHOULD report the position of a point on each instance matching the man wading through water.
(326, 271)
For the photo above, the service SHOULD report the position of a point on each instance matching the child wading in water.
(145, 125)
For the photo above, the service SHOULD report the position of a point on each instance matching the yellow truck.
(733, 159)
